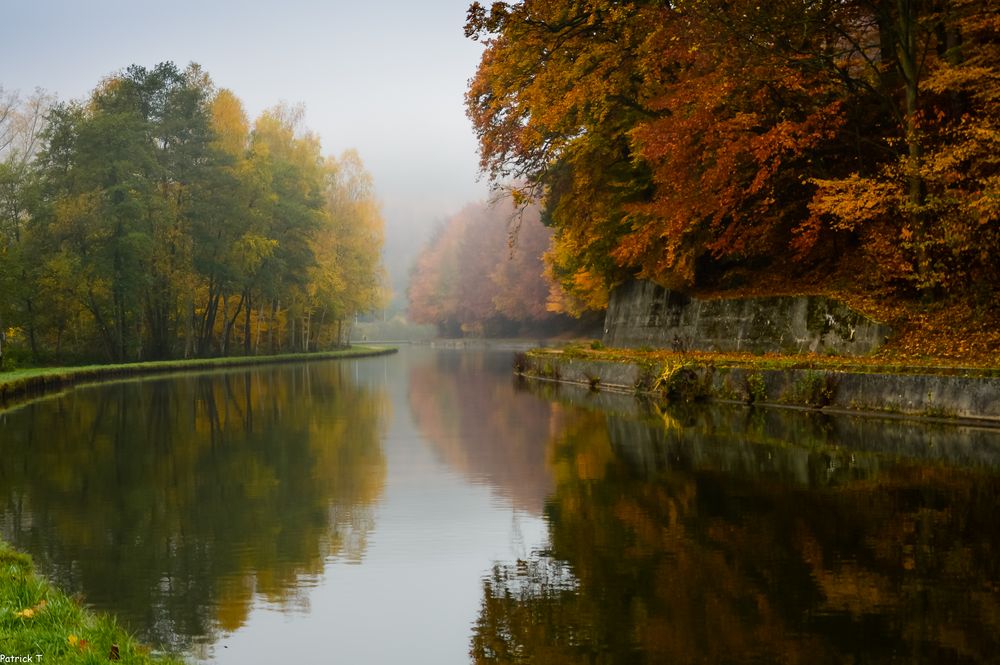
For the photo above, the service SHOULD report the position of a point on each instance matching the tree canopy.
(482, 273)
(704, 143)
(155, 220)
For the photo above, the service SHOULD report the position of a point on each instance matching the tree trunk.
(225, 318)
(208, 319)
(232, 321)
(304, 334)
(275, 306)
(319, 328)
(103, 328)
(31, 329)
(228, 323)
(246, 324)
(189, 336)
(908, 60)
(260, 322)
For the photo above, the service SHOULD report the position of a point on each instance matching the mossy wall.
(906, 394)
(643, 313)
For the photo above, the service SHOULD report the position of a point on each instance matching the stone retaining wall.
(907, 394)
(645, 314)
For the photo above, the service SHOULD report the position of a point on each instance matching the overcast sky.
(384, 77)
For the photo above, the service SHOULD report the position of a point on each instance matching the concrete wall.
(906, 394)
(645, 314)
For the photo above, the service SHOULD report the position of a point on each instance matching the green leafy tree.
(154, 220)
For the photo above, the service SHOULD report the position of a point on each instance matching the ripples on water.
(428, 508)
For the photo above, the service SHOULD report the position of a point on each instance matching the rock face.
(645, 314)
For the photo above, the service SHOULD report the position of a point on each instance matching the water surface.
(428, 508)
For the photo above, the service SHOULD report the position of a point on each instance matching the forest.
(155, 220)
(845, 148)
(481, 274)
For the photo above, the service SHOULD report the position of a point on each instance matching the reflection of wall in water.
(728, 437)
(747, 536)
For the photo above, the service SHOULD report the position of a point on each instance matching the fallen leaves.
(31, 612)
(76, 642)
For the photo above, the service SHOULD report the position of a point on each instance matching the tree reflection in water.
(705, 536)
(175, 502)
(481, 427)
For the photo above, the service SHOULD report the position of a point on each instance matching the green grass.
(21, 382)
(37, 619)
(851, 364)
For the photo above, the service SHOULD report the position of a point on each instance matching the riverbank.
(835, 384)
(40, 624)
(19, 384)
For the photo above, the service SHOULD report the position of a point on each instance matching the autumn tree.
(116, 200)
(348, 277)
(928, 214)
(433, 286)
(705, 143)
(556, 93)
(227, 214)
(482, 273)
(158, 221)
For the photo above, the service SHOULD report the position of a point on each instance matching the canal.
(427, 507)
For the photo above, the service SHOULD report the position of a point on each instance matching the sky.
(386, 78)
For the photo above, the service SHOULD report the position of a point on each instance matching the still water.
(427, 508)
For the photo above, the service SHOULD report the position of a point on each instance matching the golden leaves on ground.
(30, 612)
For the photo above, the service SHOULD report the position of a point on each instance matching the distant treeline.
(481, 274)
(153, 220)
(716, 144)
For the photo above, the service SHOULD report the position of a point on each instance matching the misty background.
(387, 79)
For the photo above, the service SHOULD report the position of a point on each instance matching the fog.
(385, 78)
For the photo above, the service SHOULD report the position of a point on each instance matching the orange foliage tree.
(693, 142)
(475, 277)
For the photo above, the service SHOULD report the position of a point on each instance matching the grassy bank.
(835, 384)
(986, 368)
(27, 382)
(40, 624)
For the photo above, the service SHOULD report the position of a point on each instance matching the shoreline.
(18, 385)
(39, 623)
(939, 394)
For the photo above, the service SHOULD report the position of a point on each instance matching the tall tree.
(156, 221)
(691, 142)
(21, 126)
(347, 278)
(556, 93)
(117, 175)
(291, 164)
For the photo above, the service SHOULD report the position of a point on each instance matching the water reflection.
(464, 405)
(705, 535)
(175, 502)
(716, 534)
